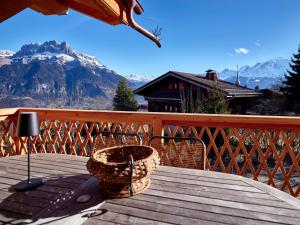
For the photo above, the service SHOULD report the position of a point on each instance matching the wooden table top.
(176, 196)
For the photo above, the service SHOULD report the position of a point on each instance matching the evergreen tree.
(124, 99)
(291, 86)
(215, 103)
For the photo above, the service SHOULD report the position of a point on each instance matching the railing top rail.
(7, 112)
(169, 118)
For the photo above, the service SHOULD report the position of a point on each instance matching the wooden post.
(157, 130)
(17, 142)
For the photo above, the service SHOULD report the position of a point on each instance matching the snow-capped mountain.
(53, 73)
(264, 74)
(52, 50)
(6, 53)
(140, 78)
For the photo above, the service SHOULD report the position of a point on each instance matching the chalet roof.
(229, 89)
(109, 11)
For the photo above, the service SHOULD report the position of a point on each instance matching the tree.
(215, 103)
(124, 99)
(291, 85)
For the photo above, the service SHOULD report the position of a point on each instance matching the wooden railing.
(264, 148)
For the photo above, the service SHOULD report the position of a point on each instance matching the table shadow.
(53, 201)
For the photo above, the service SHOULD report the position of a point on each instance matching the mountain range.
(263, 74)
(52, 74)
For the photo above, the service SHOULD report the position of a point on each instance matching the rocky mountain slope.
(52, 74)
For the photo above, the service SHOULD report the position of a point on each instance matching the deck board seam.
(207, 211)
(41, 162)
(200, 175)
(216, 182)
(175, 192)
(222, 206)
(154, 212)
(155, 178)
(222, 213)
(213, 191)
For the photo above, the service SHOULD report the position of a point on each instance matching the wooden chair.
(184, 152)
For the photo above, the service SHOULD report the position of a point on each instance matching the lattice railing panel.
(77, 137)
(8, 141)
(268, 155)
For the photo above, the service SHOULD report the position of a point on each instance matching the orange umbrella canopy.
(113, 12)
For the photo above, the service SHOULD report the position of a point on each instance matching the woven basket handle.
(131, 163)
(123, 134)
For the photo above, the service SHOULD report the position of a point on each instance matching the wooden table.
(176, 196)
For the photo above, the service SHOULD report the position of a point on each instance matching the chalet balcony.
(260, 148)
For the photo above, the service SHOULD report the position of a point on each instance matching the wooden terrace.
(176, 196)
(251, 148)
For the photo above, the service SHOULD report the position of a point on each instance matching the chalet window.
(170, 86)
(166, 108)
(171, 109)
(175, 85)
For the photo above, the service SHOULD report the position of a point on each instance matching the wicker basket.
(113, 168)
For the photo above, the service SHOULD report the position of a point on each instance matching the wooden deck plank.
(274, 192)
(166, 202)
(40, 195)
(241, 199)
(190, 213)
(223, 203)
(24, 199)
(61, 164)
(217, 190)
(201, 178)
(195, 172)
(10, 218)
(48, 184)
(154, 216)
(19, 208)
(16, 174)
(92, 221)
(207, 184)
(38, 165)
(118, 218)
(11, 168)
(60, 157)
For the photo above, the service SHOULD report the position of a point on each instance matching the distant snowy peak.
(52, 50)
(264, 74)
(139, 78)
(6, 53)
(271, 68)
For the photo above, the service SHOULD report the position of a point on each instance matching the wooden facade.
(168, 92)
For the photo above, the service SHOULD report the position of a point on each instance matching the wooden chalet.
(165, 93)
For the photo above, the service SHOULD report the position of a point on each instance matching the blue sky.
(196, 35)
